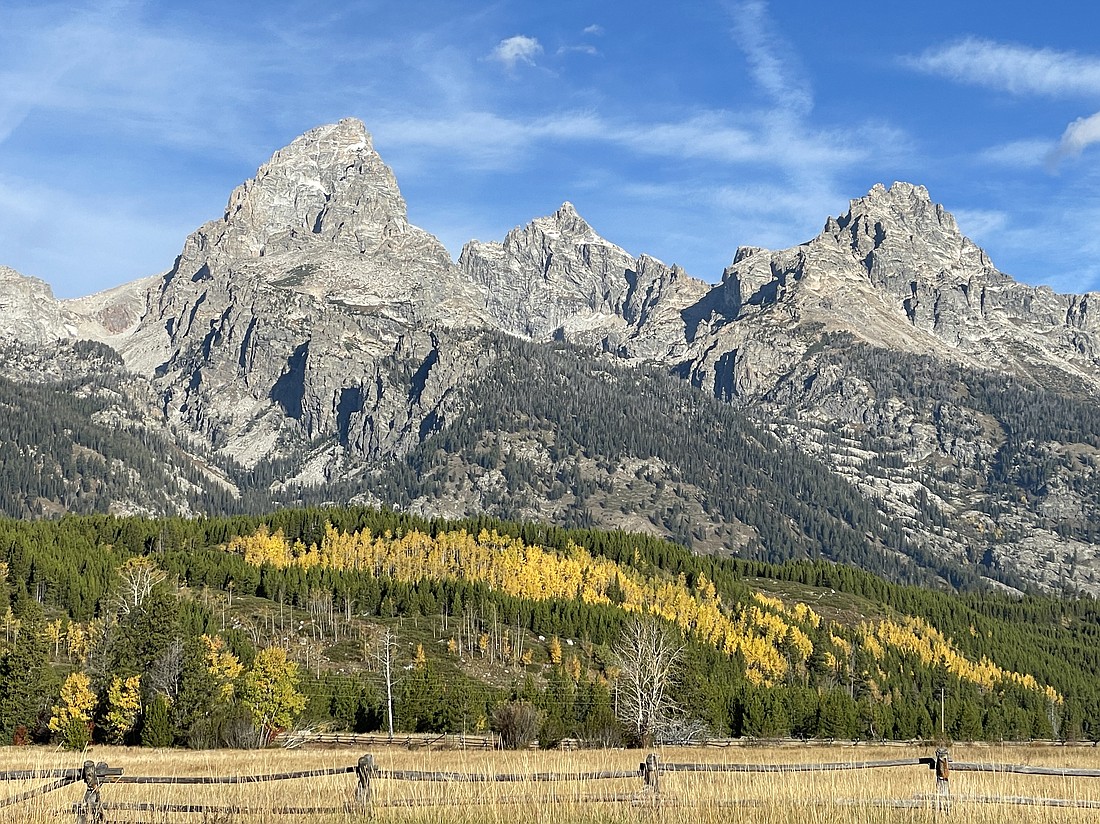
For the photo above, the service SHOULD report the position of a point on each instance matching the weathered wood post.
(651, 775)
(943, 787)
(90, 811)
(364, 770)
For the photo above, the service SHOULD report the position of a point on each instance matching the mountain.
(880, 394)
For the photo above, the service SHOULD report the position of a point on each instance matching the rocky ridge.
(313, 332)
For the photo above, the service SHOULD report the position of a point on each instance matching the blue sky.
(681, 130)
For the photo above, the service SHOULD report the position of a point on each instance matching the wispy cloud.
(43, 224)
(118, 74)
(1018, 154)
(517, 49)
(769, 57)
(1012, 68)
(1021, 70)
(980, 224)
(1080, 134)
(595, 30)
(583, 48)
(490, 140)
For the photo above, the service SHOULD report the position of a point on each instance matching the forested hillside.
(78, 439)
(560, 432)
(1000, 472)
(225, 630)
(907, 466)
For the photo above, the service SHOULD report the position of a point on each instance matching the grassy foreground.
(851, 796)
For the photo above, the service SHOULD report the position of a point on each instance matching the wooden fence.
(92, 808)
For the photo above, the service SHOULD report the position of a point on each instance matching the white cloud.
(595, 30)
(1012, 68)
(1018, 154)
(517, 49)
(582, 49)
(1079, 135)
(774, 71)
(980, 224)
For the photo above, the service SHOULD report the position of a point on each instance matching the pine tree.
(156, 728)
(24, 676)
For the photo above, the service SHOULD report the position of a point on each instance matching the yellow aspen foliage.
(269, 691)
(841, 644)
(55, 632)
(573, 668)
(123, 708)
(452, 647)
(262, 547)
(74, 711)
(420, 660)
(222, 664)
(554, 650)
(917, 637)
(805, 615)
(759, 632)
(76, 643)
(527, 657)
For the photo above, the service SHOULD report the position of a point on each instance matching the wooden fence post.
(91, 810)
(943, 775)
(364, 793)
(651, 775)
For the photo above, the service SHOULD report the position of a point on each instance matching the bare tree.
(167, 670)
(384, 652)
(647, 655)
(136, 579)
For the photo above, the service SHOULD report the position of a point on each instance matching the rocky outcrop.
(29, 313)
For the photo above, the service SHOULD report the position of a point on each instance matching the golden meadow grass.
(729, 798)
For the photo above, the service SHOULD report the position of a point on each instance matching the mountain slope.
(311, 344)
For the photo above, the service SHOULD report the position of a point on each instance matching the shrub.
(518, 724)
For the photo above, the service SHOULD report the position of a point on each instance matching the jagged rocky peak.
(554, 271)
(329, 187)
(29, 312)
(888, 226)
(329, 183)
(567, 223)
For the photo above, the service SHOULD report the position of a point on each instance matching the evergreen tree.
(156, 728)
(26, 684)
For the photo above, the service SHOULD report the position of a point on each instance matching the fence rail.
(95, 777)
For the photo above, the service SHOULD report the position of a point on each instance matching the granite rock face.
(290, 319)
(30, 315)
(557, 279)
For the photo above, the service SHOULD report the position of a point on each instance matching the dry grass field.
(849, 797)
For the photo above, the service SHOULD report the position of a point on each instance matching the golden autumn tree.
(123, 708)
(269, 691)
(72, 716)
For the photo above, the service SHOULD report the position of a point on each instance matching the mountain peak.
(327, 144)
(567, 222)
(903, 205)
(328, 184)
(902, 222)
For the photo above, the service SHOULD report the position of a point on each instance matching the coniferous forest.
(226, 631)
